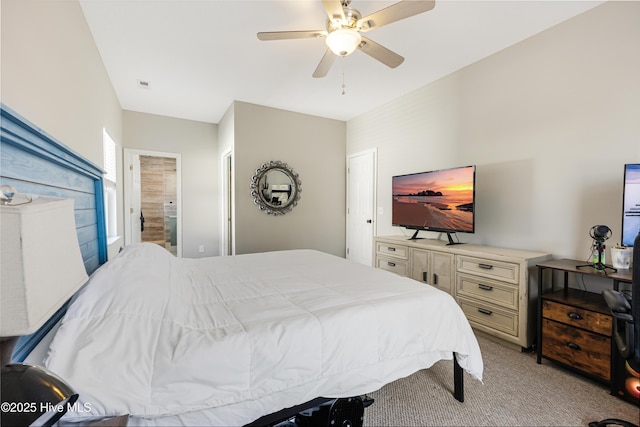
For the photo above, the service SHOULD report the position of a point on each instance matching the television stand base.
(451, 242)
(415, 236)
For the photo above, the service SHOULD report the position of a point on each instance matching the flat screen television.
(631, 204)
(439, 200)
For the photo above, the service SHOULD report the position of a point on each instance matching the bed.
(230, 340)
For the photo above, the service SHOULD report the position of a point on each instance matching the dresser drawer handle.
(486, 266)
(486, 287)
(424, 276)
(390, 249)
(391, 264)
(575, 316)
(573, 346)
(485, 311)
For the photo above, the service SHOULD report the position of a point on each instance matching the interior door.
(135, 199)
(227, 204)
(361, 173)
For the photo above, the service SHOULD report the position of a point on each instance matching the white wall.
(197, 143)
(315, 148)
(549, 122)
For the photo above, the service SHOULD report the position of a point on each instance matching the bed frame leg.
(458, 380)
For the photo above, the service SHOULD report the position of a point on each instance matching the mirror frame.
(258, 198)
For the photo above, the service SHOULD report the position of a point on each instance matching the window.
(110, 181)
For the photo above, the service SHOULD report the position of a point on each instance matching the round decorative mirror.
(275, 188)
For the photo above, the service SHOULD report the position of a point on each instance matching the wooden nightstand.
(576, 331)
(575, 327)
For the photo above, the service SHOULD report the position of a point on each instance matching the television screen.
(441, 200)
(631, 204)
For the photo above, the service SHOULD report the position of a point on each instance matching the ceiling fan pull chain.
(343, 86)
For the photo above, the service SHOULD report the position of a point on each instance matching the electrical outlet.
(201, 248)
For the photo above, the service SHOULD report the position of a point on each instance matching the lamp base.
(7, 345)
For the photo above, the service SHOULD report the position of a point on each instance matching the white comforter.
(239, 337)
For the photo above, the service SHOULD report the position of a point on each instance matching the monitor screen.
(631, 204)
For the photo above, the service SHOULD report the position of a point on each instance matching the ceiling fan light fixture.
(344, 41)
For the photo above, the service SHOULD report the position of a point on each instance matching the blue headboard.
(35, 163)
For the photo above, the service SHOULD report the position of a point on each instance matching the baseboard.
(497, 340)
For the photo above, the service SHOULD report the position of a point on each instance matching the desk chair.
(626, 318)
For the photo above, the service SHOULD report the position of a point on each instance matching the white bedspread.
(239, 337)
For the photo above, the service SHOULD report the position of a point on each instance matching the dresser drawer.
(497, 270)
(394, 265)
(391, 250)
(491, 291)
(583, 350)
(577, 317)
(490, 316)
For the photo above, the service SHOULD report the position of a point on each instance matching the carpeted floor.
(516, 391)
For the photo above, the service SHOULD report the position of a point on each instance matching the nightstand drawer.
(491, 316)
(397, 266)
(497, 270)
(583, 350)
(391, 250)
(577, 317)
(491, 291)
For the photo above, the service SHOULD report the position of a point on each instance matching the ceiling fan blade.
(334, 9)
(395, 12)
(381, 53)
(285, 35)
(325, 64)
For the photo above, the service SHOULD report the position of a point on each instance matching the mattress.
(226, 340)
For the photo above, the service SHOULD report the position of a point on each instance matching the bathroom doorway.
(154, 201)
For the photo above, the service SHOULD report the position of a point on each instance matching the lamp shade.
(40, 263)
(344, 41)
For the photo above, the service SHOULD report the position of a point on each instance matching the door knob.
(369, 221)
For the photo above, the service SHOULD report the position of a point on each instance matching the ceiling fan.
(344, 27)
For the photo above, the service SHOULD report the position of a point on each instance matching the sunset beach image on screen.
(441, 200)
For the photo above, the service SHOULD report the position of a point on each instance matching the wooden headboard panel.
(35, 163)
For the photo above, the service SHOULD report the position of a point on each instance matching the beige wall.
(197, 144)
(549, 122)
(315, 148)
(52, 75)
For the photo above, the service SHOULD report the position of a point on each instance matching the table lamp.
(41, 267)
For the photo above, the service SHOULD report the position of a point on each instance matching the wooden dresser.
(491, 285)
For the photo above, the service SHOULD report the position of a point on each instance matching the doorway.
(227, 241)
(153, 200)
(361, 201)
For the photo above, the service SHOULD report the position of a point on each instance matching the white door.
(361, 190)
(227, 204)
(133, 185)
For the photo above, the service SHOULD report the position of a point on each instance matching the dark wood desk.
(591, 302)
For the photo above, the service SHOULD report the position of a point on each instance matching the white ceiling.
(200, 55)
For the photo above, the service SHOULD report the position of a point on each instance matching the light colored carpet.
(516, 391)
